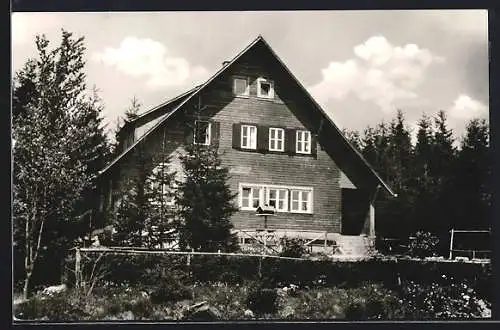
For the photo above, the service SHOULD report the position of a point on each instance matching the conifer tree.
(204, 199)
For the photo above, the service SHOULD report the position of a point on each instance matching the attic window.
(241, 86)
(265, 88)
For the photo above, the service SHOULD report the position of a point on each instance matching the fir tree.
(204, 199)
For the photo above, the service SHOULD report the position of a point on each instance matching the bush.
(262, 299)
(170, 289)
(292, 247)
(424, 245)
(58, 308)
(437, 301)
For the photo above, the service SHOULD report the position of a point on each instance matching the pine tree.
(204, 199)
(472, 179)
(58, 145)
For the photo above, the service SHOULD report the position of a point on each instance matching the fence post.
(78, 258)
(326, 238)
(451, 244)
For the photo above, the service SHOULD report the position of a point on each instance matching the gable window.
(241, 86)
(248, 137)
(276, 139)
(301, 201)
(265, 88)
(202, 132)
(303, 142)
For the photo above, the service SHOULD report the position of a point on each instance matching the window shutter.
(262, 138)
(290, 137)
(314, 146)
(236, 135)
(215, 133)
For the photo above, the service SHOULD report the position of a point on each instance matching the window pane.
(281, 205)
(272, 145)
(246, 192)
(282, 194)
(244, 141)
(304, 206)
(305, 195)
(295, 195)
(306, 136)
(201, 132)
(245, 202)
(265, 88)
(295, 205)
(272, 193)
(255, 203)
(240, 86)
(272, 203)
(279, 145)
(272, 133)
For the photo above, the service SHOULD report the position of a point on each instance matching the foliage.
(423, 245)
(292, 247)
(59, 145)
(435, 301)
(205, 201)
(261, 298)
(143, 215)
(169, 289)
(439, 186)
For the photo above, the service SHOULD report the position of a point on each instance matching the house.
(280, 146)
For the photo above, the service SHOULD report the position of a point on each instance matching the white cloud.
(380, 72)
(466, 108)
(149, 58)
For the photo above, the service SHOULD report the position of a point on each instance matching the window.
(303, 142)
(241, 86)
(276, 139)
(248, 137)
(283, 198)
(265, 88)
(202, 132)
(301, 201)
(250, 197)
(278, 198)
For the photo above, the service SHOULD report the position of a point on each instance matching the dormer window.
(202, 132)
(241, 87)
(265, 88)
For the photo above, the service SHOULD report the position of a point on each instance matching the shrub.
(170, 289)
(423, 245)
(261, 298)
(437, 301)
(292, 247)
(57, 308)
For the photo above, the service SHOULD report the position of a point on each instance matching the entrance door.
(355, 204)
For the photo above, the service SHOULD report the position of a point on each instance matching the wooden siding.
(318, 171)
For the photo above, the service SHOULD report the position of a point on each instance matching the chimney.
(225, 63)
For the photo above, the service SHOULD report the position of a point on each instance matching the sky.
(361, 66)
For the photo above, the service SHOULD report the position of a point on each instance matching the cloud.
(149, 58)
(466, 108)
(379, 72)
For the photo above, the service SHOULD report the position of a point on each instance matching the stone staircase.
(353, 246)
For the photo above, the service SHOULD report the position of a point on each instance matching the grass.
(367, 301)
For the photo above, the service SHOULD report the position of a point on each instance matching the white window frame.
(278, 189)
(302, 143)
(251, 143)
(264, 197)
(275, 139)
(271, 89)
(309, 200)
(250, 199)
(208, 136)
(246, 93)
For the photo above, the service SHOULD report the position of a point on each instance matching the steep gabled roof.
(259, 40)
(160, 107)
